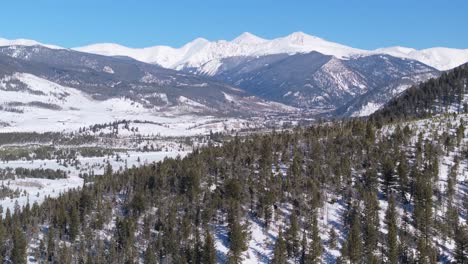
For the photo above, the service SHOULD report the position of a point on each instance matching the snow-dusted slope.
(439, 58)
(206, 56)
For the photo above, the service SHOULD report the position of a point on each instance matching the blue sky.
(364, 24)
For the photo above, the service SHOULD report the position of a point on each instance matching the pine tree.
(304, 250)
(74, 224)
(51, 244)
(371, 224)
(209, 251)
(461, 249)
(392, 241)
(279, 253)
(292, 239)
(237, 241)
(150, 257)
(2, 240)
(354, 240)
(18, 253)
(402, 171)
(388, 174)
(332, 240)
(316, 246)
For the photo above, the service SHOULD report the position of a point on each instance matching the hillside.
(319, 82)
(435, 96)
(356, 191)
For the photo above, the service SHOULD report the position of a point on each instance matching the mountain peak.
(198, 42)
(299, 37)
(25, 42)
(248, 38)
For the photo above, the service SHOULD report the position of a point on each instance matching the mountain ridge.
(247, 44)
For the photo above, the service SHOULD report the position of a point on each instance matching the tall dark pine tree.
(392, 240)
(279, 253)
(461, 242)
(2, 240)
(51, 244)
(370, 225)
(237, 237)
(354, 239)
(150, 256)
(74, 224)
(18, 253)
(316, 246)
(209, 251)
(292, 237)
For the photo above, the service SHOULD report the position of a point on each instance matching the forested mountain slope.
(445, 94)
(356, 191)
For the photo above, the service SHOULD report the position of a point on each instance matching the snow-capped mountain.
(298, 70)
(25, 42)
(205, 56)
(322, 82)
(439, 58)
(38, 83)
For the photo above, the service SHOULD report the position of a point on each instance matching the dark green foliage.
(354, 239)
(292, 237)
(392, 231)
(209, 251)
(316, 246)
(429, 98)
(461, 249)
(279, 253)
(18, 253)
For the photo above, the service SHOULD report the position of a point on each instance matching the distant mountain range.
(246, 76)
(206, 55)
(66, 86)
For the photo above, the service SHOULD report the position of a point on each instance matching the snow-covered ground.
(66, 109)
(36, 189)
